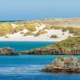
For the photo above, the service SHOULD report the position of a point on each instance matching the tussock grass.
(41, 32)
(28, 33)
(6, 28)
(30, 26)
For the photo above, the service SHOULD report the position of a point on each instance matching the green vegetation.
(58, 27)
(30, 26)
(75, 31)
(49, 26)
(72, 43)
(19, 28)
(22, 32)
(54, 36)
(41, 32)
(6, 28)
(28, 33)
(69, 44)
(6, 36)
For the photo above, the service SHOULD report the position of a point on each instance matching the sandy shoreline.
(43, 37)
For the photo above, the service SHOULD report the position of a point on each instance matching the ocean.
(23, 45)
(28, 67)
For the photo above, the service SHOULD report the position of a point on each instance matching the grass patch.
(54, 36)
(6, 28)
(58, 27)
(75, 31)
(41, 32)
(28, 33)
(30, 26)
(19, 28)
(69, 43)
(49, 26)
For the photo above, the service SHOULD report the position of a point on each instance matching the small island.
(70, 46)
(7, 51)
(64, 65)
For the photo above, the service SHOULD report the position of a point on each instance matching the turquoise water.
(28, 67)
(20, 45)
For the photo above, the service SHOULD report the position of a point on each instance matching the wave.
(17, 70)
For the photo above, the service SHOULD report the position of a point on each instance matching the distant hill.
(73, 22)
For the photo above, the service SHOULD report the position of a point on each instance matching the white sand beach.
(43, 37)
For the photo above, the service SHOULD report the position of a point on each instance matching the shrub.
(28, 33)
(6, 36)
(41, 32)
(22, 33)
(53, 36)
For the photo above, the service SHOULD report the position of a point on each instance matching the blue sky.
(38, 9)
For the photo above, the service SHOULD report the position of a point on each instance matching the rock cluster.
(7, 51)
(64, 65)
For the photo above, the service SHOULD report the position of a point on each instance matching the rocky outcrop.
(65, 47)
(7, 51)
(49, 51)
(64, 65)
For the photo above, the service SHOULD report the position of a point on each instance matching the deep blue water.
(28, 67)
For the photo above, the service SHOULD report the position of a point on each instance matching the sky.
(38, 9)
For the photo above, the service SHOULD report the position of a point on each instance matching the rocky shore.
(64, 65)
(53, 51)
(70, 46)
(7, 51)
(38, 51)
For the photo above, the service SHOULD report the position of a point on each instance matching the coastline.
(69, 46)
